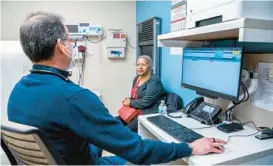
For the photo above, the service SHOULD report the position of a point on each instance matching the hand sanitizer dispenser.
(116, 44)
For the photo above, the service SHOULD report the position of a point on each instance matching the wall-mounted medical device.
(90, 30)
(77, 31)
(116, 43)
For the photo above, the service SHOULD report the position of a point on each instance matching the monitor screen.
(213, 71)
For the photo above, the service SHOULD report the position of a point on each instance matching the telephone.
(202, 111)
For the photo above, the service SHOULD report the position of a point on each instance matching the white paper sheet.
(176, 51)
(263, 97)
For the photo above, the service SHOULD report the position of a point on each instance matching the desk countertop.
(238, 150)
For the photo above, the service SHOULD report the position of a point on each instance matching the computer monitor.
(213, 72)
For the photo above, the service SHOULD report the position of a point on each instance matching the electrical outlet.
(89, 52)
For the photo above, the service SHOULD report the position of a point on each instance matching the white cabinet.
(195, 6)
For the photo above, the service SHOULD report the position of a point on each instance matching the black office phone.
(204, 112)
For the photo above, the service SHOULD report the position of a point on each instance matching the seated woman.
(146, 93)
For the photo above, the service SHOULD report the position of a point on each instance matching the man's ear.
(59, 46)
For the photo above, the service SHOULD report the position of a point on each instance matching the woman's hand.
(125, 99)
(126, 102)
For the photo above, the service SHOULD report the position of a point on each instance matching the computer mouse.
(218, 149)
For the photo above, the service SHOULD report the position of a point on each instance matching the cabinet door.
(195, 6)
(14, 64)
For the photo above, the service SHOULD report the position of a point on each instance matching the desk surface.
(238, 150)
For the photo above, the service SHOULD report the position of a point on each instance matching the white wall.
(14, 64)
(112, 77)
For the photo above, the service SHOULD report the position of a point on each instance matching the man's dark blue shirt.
(73, 117)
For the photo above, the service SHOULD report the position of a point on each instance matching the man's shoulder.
(52, 85)
(70, 89)
(76, 90)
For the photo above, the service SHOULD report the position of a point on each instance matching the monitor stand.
(230, 127)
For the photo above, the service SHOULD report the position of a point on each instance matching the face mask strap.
(65, 51)
(72, 63)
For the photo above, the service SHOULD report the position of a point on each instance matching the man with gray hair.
(73, 118)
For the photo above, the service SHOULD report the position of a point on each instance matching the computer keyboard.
(176, 130)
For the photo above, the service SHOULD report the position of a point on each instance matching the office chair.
(27, 145)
